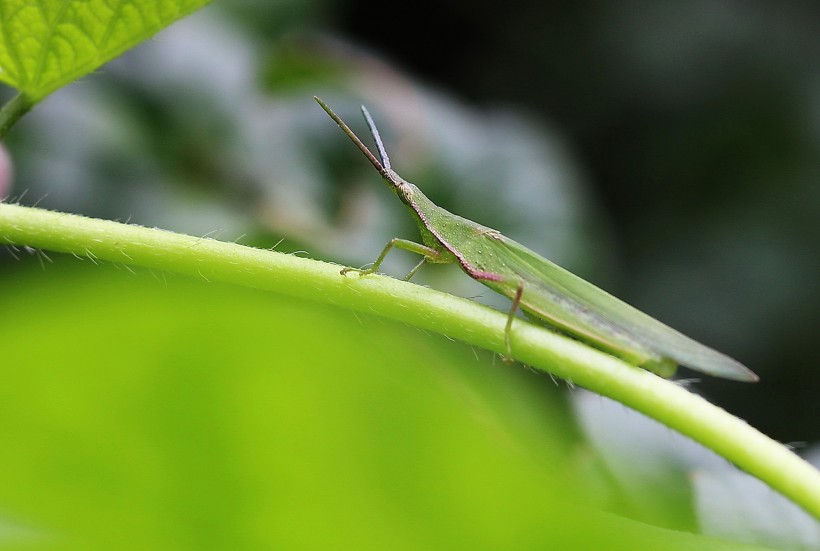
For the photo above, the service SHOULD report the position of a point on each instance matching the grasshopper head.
(404, 189)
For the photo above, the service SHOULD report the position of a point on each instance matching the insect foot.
(361, 271)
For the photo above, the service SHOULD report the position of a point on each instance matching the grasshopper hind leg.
(513, 309)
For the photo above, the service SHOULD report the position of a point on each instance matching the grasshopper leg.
(416, 268)
(425, 251)
(513, 309)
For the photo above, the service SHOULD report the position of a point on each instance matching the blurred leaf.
(732, 504)
(48, 43)
(298, 68)
(145, 413)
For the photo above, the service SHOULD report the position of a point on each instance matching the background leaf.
(146, 412)
(48, 43)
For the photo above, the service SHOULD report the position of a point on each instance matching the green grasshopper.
(543, 290)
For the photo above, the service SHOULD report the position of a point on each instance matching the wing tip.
(744, 374)
(728, 368)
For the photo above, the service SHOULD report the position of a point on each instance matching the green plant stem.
(12, 111)
(458, 318)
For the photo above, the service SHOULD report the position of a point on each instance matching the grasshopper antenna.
(355, 139)
(376, 137)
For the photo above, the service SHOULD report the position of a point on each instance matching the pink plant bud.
(5, 172)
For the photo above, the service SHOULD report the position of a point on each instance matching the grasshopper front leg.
(412, 246)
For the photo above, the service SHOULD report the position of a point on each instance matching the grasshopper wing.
(563, 299)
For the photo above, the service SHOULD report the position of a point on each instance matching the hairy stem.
(458, 318)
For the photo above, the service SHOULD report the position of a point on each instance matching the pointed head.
(355, 139)
(404, 189)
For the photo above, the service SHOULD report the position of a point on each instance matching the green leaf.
(165, 413)
(47, 44)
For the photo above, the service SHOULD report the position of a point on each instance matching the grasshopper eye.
(405, 192)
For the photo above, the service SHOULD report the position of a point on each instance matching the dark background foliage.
(699, 126)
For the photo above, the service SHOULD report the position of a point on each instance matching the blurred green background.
(666, 151)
